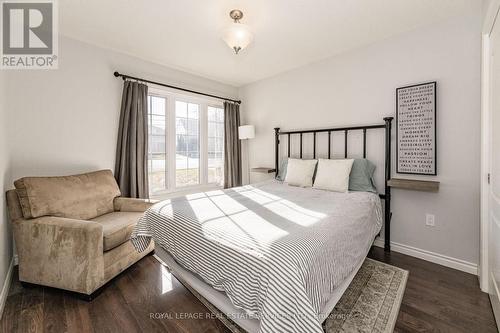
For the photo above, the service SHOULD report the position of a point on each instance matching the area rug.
(370, 303)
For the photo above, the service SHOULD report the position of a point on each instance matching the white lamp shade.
(246, 132)
(237, 36)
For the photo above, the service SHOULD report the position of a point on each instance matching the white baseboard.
(6, 286)
(436, 258)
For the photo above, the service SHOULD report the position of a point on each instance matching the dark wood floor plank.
(139, 288)
(441, 310)
(77, 314)
(111, 313)
(54, 320)
(11, 320)
(470, 303)
(148, 298)
(32, 310)
(413, 320)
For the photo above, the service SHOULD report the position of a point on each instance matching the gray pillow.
(361, 177)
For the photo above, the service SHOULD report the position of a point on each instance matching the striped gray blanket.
(277, 251)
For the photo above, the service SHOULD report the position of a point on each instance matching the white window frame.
(170, 182)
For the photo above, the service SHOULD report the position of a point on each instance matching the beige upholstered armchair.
(73, 232)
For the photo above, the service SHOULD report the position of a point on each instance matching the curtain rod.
(124, 76)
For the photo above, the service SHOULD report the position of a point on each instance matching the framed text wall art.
(416, 129)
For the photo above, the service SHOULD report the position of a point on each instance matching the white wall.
(485, 6)
(66, 120)
(5, 237)
(358, 87)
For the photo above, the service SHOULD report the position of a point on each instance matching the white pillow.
(300, 172)
(333, 175)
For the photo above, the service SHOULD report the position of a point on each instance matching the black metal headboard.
(387, 126)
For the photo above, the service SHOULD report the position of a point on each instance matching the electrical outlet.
(430, 220)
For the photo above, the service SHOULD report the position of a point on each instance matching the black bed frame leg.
(388, 214)
(276, 150)
(387, 236)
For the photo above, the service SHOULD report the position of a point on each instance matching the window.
(215, 145)
(186, 142)
(157, 156)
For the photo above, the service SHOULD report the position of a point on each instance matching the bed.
(272, 257)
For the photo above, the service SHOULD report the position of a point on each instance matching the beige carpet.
(370, 303)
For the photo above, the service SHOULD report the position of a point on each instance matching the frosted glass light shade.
(246, 132)
(237, 36)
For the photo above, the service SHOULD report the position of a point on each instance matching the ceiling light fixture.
(238, 36)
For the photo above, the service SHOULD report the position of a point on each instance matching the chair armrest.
(132, 205)
(60, 252)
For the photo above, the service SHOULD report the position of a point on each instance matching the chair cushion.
(79, 197)
(117, 227)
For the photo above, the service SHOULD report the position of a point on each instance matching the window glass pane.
(211, 145)
(181, 126)
(157, 144)
(212, 114)
(180, 109)
(187, 144)
(181, 144)
(216, 175)
(192, 144)
(158, 125)
(193, 127)
(157, 174)
(215, 145)
(158, 105)
(220, 130)
(193, 111)
(214, 160)
(180, 172)
(157, 162)
(220, 115)
(212, 129)
(192, 176)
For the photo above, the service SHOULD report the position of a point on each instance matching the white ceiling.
(186, 34)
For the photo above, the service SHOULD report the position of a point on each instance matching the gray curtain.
(232, 145)
(131, 168)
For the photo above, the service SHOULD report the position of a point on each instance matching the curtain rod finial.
(116, 74)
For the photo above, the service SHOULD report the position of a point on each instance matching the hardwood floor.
(439, 299)
(147, 298)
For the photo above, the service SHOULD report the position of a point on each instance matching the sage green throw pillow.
(361, 177)
(282, 169)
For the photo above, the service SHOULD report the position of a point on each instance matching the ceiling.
(186, 34)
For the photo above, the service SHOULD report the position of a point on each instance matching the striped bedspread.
(277, 251)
